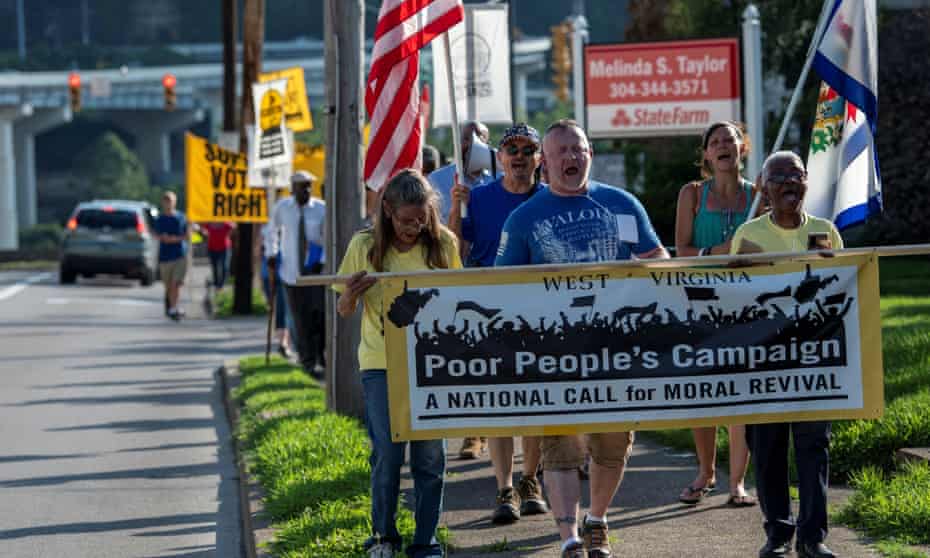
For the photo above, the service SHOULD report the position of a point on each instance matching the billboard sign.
(660, 89)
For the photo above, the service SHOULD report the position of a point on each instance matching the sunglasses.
(527, 150)
(796, 177)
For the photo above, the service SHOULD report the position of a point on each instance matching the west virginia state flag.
(844, 181)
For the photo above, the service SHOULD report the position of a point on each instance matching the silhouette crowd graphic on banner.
(799, 326)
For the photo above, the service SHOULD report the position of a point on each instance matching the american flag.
(392, 92)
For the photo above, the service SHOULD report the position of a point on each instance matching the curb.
(256, 528)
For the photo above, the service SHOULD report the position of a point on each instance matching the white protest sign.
(480, 68)
(270, 146)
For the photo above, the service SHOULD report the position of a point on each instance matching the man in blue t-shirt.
(173, 231)
(489, 205)
(575, 220)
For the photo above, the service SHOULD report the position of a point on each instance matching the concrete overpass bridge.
(34, 102)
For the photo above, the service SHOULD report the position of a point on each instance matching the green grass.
(223, 302)
(893, 507)
(312, 463)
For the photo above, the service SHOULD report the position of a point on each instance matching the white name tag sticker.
(626, 225)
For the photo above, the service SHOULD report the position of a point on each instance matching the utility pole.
(21, 29)
(229, 65)
(253, 35)
(344, 34)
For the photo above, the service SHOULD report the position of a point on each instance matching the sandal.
(692, 496)
(741, 501)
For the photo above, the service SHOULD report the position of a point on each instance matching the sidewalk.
(646, 519)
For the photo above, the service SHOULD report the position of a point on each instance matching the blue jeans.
(219, 265)
(427, 466)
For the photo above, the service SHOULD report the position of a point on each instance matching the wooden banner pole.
(695, 261)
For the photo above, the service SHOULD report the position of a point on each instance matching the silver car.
(110, 237)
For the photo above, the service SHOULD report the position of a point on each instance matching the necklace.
(727, 224)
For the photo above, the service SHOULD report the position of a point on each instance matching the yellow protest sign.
(296, 107)
(311, 158)
(216, 185)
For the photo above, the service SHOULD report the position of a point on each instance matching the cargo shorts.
(607, 449)
(173, 272)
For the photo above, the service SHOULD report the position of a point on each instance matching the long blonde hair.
(408, 187)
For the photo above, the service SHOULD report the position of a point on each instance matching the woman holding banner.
(407, 236)
(709, 212)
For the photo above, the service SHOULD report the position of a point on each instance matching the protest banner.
(480, 59)
(631, 347)
(216, 185)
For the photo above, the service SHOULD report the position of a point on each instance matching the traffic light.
(74, 91)
(171, 98)
(561, 58)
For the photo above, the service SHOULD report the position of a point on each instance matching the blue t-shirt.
(606, 224)
(175, 225)
(488, 207)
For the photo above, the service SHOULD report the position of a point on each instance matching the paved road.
(113, 441)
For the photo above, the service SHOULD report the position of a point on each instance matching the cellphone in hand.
(818, 241)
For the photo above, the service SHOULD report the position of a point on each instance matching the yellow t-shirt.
(371, 354)
(763, 232)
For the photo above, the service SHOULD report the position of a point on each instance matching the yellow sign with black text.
(216, 185)
(297, 114)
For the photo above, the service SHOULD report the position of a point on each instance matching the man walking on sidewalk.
(479, 234)
(299, 221)
(173, 232)
(575, 221)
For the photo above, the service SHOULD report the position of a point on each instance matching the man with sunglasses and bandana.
(787, 228)
(479, 233)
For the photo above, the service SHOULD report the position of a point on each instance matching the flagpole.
(456, 137)
(796, 95)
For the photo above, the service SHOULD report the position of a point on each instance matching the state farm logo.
(621, 119)
(658, 117)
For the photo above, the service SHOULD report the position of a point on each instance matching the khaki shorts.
(607, 449)
(173, 272)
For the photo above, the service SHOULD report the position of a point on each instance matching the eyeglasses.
(409, 224)
(527, 150)
(796, 177)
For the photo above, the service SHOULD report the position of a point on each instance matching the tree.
(109, 169)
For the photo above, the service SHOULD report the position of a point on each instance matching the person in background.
(173, 232)
(576, 220)
(430, 159)
(709, 211)
(219, 246)
(283, 323)
(407, 236)
(479, 234)
(787, 228)
(443, 179)
(299, 221)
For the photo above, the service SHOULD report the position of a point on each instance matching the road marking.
(118, 301)
(14, 289)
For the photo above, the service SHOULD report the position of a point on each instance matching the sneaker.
(174, 314)
(508, 507)
(574, 550)
(376, 547)
(472, 448)
(594, 534)
(531, 497)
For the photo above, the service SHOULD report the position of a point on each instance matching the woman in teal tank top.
(709, 212)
